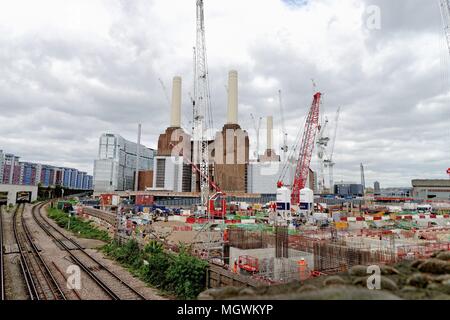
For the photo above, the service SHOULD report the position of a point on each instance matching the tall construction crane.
(322, 143)
(445, 13)
(363, 179)
(257, 125)
(202, 110)
(165, 90)
(284, 147)
(306, 150)
(329, 161)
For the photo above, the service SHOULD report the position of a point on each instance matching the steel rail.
(25, 268)
(47, 227)
(50, 280)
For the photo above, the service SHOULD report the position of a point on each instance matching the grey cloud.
(112, 83)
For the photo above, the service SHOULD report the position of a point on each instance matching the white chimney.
(175, 116)
(232, 117)
(269, 132)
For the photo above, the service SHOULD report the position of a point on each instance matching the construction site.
(267, 217)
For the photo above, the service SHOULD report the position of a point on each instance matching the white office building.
(115, 168)
(171, 174)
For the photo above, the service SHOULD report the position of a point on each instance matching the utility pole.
(138, 151)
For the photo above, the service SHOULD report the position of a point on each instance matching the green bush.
(180, 274)
(84, 229)
(154, 270)
(186, 275)
(153, 247)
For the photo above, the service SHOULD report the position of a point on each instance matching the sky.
(72, 70)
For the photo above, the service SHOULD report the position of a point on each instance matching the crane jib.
(306, 149)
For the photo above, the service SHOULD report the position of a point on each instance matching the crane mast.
(284, 147)
(257, 126)
(201, 109)
(329, 162)
(322, 143)
(363, 179)
(306, 149)
(445, 13)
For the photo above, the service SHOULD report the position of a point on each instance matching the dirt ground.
(174, 237)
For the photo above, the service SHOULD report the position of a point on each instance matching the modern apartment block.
(10, 169)
(13, 171)
(115, 168)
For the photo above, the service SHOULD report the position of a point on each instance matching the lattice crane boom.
(306, 149)
(445, 13)
(329, 162)
(333, 141)
(284, 147)
(257, 126)
(163, 86)
(201, 108)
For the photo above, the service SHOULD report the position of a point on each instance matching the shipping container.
(106, 199)
(144, 199)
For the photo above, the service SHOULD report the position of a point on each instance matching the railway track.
(109, 282)
(39, 280)
(2, 264)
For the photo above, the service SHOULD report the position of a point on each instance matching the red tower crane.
(306, 150)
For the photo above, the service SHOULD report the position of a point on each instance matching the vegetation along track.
(39, 280)
(110, 283)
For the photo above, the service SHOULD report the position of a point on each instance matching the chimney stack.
(232, 117)
(269, 133)
(175, 116)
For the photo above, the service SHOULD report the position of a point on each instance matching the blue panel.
(304, 206)
(283, 206)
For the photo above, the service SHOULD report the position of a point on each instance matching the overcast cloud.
(71, 70)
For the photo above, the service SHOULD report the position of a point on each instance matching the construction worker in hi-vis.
(302, 266)
(235, 265)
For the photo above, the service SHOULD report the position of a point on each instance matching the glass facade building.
(115, 167)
